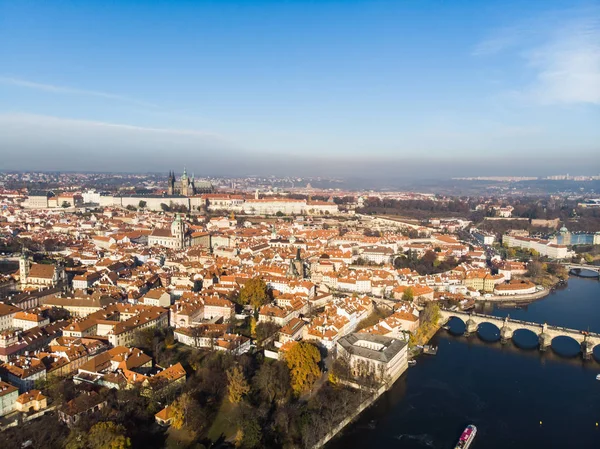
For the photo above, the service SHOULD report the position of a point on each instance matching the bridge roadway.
(545, 333)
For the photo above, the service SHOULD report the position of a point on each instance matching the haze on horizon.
(359, 88)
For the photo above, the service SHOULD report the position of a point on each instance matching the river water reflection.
(504, 389)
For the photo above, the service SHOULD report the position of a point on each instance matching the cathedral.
(187, 186)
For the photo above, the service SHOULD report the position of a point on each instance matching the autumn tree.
(430, 314)
(265, 330)
(534, 269)
(237, 386)
(273, 381)
(102, 435)
(188, 414)
(303, 361)
(255, 293)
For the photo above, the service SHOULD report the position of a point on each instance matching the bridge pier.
(545, 341)
(587, 349)
(506, 334)
(471, 327)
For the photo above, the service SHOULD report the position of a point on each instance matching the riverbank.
(504, 389)
(516, 298)
(366, 404)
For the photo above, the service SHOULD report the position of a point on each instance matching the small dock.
(430, 350)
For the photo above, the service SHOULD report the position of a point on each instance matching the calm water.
(505, 390)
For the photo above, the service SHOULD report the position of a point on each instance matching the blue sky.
(92, 85)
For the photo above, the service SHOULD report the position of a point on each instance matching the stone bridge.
(573, 266)
(545, 333)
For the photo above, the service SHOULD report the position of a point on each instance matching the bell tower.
(178, 232)
(23, 268)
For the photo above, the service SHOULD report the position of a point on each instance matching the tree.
(187, 413)
(255, 293)
(408, 295)
(237, 386)
(265, 330)
(131, 207)
(303, 361)
(279, 214)
(534, 269)
(65, 204)
(251, 433)
(273, 381)
(253, 326)
(102, 435)
(430, 314)
(142, 204)
(588, 258)
(165, 207)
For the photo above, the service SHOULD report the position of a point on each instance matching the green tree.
(237, 386)
(303, 362)
(408, 295)
(255, 293)
(142, 204)
(65, 204)
(251, 433)
(588, 258)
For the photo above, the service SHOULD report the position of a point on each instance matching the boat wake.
(424, 439)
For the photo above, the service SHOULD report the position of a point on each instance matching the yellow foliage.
(303, 361)
(238, 386)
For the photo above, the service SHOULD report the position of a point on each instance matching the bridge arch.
(456, 325)
(489, 331)
(565, 346)
(525, 338)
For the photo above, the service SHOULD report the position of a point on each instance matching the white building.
(8, 398)
(383, 358)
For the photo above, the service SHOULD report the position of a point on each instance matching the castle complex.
(187, 186)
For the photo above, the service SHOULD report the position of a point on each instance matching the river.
(505, 390)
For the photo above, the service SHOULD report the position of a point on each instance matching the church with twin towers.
(187, 186)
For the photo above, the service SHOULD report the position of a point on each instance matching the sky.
(340, 88)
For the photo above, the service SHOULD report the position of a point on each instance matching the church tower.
(185, 183)
(178, 232)
(171, 184)
(23, 268)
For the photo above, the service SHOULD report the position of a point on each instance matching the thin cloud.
(71, 91)
(559, 52)
(47, 120)
(500, 41)
(568, 66)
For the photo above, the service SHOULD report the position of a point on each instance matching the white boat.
(467, 437)
(598, 377)
(412, 362)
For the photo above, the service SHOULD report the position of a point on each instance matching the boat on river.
(467, 437)
(598, 377)
(412, 362)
